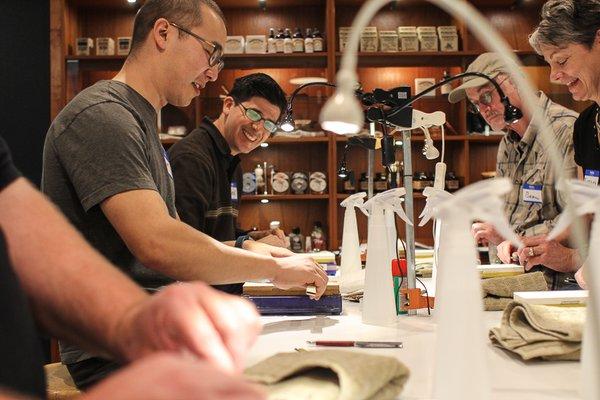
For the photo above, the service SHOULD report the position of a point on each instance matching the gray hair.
(566, 22)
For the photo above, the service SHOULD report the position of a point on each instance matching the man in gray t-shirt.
(105, 168)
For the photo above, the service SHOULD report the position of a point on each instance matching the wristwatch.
(239, 242)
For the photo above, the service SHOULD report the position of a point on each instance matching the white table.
(513, 379)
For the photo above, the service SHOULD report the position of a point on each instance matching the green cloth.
(330, 375)
(537, 331)
(498, 292)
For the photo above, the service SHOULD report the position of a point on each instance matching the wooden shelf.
(432, 59)
(276, 197)
(341, 196)
(232, 61)
(294, 140)
(485, 139)
(169, 141)
(418, 138)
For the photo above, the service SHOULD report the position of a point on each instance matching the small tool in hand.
(311, 290)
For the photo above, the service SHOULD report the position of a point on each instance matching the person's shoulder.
(96, 106)
(196, 143)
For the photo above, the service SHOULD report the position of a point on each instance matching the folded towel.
(330, 375)
(498, 292)
(537, 331)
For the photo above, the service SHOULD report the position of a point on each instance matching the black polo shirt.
(208, 185)
(585, 140)
(20, 352)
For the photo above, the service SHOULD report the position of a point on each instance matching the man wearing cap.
(533, 204)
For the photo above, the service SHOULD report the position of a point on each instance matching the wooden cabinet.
(466, 155)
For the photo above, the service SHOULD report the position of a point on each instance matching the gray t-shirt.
(105, 142)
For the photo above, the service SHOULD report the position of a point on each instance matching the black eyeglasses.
(256, 116)
(485, 98)
(215, 54)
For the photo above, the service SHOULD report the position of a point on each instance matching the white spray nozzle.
(355, 200)
(434, 198)
(382, 199)
(584, 199)
(483, 200)
(395, 205)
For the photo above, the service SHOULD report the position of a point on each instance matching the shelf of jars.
(275, 197)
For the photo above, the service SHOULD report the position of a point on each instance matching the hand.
(300, 271)
(505, 251)
(257, 235)
(485, 233)
(266, 249)
(273, 240)
(551, 254)
(580, 277)
(190, 317)
(168, 376)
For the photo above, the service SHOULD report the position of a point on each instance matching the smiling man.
(105, 168)
(533, 204)
(206, 165)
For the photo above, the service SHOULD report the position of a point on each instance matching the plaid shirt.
(527, 161)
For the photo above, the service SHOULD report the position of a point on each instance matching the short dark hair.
(259, 85)
(187, 13)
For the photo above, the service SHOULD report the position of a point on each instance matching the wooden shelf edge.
(276, 197)
(293, 140)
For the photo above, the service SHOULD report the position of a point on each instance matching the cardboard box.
(123, 45)
(428, 42)
(256, 44)
(409, 43)
(369, 39)
(84, 46)
(234, 45)
(388, 41)
(105, 46)
(448, 42)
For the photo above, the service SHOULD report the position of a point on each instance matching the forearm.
(75, 293)
(189, 254)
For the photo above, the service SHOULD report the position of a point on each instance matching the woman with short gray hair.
(568, 36)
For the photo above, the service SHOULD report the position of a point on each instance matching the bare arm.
(74, 292)
(181, 252)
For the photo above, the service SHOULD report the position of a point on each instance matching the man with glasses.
(106, 170)
(533, 205)
(206, 163)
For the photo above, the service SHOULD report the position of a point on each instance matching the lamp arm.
(301, 87)
(419, 95)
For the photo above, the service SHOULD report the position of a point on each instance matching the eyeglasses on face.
(215, 54)
(485, 98)
(256, 116)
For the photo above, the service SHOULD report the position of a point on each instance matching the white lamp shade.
(342, 114)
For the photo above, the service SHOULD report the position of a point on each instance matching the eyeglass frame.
(215, 56)
(262, 118)
(474, 106)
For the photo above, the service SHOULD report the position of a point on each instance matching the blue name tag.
(532, 193)
(234, 191)
(591, 176)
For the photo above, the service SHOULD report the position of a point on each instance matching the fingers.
(320, 282)
(279, 233)
(236, 321)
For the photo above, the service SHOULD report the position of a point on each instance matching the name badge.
(167, 163)
(591, 176)
(234, 192)
(532, 193)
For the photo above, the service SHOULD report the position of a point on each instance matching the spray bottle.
(352, 276)
(379, 304)
(460, 346)
(585, 199)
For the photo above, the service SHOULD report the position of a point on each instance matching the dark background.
(25, 81)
